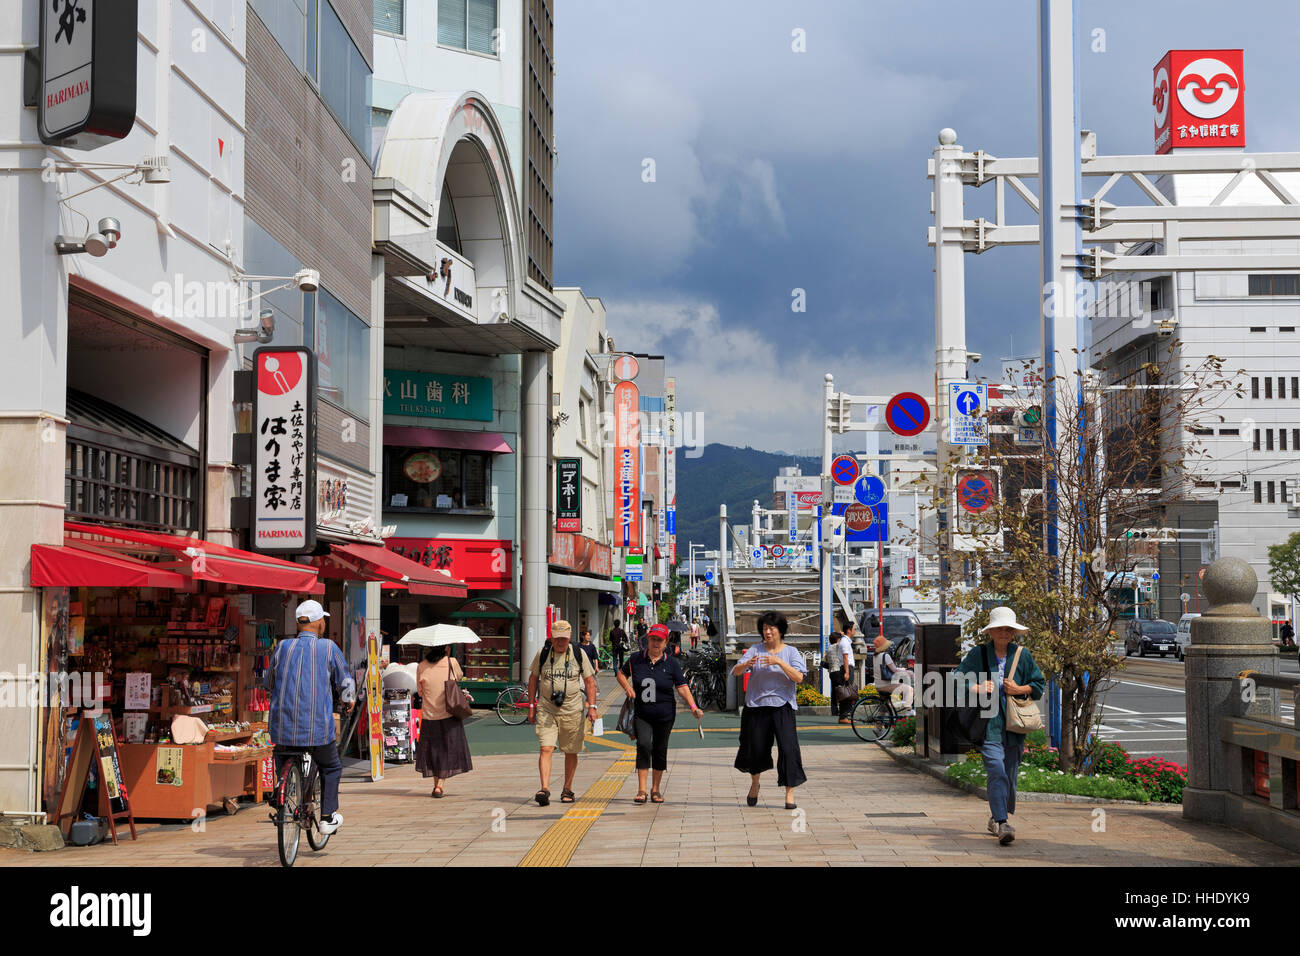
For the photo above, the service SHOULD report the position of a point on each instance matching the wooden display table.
(207, 776)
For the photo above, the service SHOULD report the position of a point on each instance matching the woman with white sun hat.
(1004, 668)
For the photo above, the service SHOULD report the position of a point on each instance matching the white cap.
(311, 610)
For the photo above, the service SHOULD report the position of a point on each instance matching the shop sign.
(1199, 100)
(284, 443)
(627, 492)
(453, 280)
(374, 707)
(87, 73)
(579, 553)
(437, 395)
(568, 494)
(482, 563)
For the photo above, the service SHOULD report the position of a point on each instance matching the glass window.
(1274, 285)
(1271, 499)
(448, 233)
(468, 24)
(1268, 439)
(312, 40)
(284, 20)
(390, 16)
(436, 478)
(342, 345)
(1268, 388)
(451, 23)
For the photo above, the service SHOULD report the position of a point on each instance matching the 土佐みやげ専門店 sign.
(284, 450)
(437, 395)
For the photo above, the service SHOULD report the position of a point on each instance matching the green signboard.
(437, 395)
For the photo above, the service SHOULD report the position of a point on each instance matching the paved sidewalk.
(858, 807)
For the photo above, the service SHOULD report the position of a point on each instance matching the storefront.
(580, 575)
(148, 627)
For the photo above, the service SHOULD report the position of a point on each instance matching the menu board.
(138, 687)
(109, 765)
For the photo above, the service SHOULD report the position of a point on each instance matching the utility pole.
(825, 542)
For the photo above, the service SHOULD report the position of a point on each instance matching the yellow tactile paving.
(556, 846)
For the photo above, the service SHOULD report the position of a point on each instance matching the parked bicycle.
(604, 657)
(705, 671)
(297, 801)
(512, 704)
(874, 716)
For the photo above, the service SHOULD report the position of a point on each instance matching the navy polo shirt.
(654, 683)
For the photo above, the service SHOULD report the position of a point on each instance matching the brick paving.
(858, 808)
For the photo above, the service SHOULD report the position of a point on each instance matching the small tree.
(1124, 451)
(1284, 566)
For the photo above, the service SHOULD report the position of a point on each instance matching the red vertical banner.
(627, 450)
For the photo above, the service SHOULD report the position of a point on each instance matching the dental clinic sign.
(284, 450)
(1199, 100)
(87, 90)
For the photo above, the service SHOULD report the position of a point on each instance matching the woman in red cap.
(649, 677)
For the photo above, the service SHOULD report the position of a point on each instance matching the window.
(1271, 499)
(448, 232)
(1268, 388)
(1295, 386)
(436, 479)
(1282, 488)
(390, 16)
(1229, 431)
(1281, 439)
(468, 25)
(1268, 439)
(1281, 387)
(1202, 431)
(582, 422)
(1274, 285)
(1254, 388)
(1259, 328)
(1256, 447)
(1286, 328)
(1295, 439)
(1258, 493)
(1156, 296)
(342, 345)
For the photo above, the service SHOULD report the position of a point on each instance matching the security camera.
(1166, 327)
(307, 280)
(111, 230)
(974, 357)
(265, 326)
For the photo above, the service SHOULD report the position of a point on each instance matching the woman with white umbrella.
(443, 750)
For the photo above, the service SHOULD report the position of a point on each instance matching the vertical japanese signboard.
(671, 441)
(568, 495)
(627, 453)
(284, 443)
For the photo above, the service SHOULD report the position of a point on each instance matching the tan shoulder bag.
(1022, 715)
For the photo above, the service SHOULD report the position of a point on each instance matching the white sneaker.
(329, 824)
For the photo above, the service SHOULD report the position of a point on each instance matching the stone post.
(1229, 638)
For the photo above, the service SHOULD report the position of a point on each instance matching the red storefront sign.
(1199, 99)
(482, 563)
(579, 553)
(627, 466)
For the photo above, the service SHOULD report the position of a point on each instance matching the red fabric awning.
(372, 562)
(413, 437)
(54, 566)
(195, 558)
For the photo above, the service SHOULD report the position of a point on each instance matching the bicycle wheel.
(289, 833)
(512, 705)
(871, 718)
(312, 814)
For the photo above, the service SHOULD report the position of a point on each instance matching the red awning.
(193, 558)
(54, 566)
(372, 562)
(412, 437)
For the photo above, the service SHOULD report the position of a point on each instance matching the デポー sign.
(1198, 98)
(284, 445)
(568, 495)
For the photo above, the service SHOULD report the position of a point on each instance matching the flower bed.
(1038, 780)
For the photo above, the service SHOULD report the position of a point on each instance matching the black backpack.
(546, 652)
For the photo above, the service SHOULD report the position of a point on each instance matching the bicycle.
(297, 798)
(873, 717)
(512, 705)
(604, 657)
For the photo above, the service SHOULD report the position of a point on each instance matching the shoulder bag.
(459, 702)
(1022, 714)
(969, 721)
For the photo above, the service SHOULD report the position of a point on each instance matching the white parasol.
(439, 634)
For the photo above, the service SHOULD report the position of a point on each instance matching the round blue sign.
(844, 470)
(869, 490)
(708, 575)
(968, 403)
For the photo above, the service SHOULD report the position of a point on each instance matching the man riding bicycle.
(306, 673)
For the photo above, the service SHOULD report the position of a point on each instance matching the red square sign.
(1199, 98)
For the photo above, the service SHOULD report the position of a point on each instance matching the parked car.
(1185, 633)
(1153, 636)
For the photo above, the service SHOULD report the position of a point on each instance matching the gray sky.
(777, 170)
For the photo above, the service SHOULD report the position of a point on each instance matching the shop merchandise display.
(398, 745)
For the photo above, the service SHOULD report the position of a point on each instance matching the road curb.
(939, 772)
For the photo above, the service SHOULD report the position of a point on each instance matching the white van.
(1184, 633)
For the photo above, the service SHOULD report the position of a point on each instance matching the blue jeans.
(1002, 764)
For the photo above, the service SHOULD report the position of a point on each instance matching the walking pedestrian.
(443, 750)
(618, 641)
(640, 635)
(1288, 634)
(839, 656)
(650, 679)
(1002, 749)
(558, 677)
(776, 670)
(588, 648)
(695, 634)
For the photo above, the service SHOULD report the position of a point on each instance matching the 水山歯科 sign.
(284, 450)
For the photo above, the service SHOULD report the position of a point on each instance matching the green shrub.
(1162, 779)
(1038, 780)
(806, 696)
(1036, 738)
(1108, 759)
(1041, 756)
(905, 732)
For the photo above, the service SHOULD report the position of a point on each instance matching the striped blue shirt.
(304, 674)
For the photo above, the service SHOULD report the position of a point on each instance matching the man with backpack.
(559, 678)
(618, 641)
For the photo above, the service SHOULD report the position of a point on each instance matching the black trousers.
(329, 764)
(759, 726)
(619, 654)
(652, 743)
(839, 708)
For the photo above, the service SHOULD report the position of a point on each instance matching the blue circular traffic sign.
(869, 490)
(968, 403)
(975, 493)
(907, 414)
(844, 470)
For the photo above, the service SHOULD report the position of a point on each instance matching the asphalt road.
(1144, 708)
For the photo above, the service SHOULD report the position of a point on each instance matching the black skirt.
(443, 750)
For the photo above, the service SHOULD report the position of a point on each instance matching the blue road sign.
(844, 470)
(869, 490)
(708, 576)
(672, 521)
(854, 533)
(967, 422)
(1155, 575)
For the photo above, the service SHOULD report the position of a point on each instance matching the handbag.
(627, 719)
(844, 693)
(1022, 714)
(970, 721)
(459, 703)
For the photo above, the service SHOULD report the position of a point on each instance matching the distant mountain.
(726, 473)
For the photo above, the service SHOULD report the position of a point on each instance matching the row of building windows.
(1267, 382)
(1274, 488)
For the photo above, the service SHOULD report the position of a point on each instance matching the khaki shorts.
(565, 728)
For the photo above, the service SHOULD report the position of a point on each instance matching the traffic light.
(840, 412)
(1030, 417)
(656, 590)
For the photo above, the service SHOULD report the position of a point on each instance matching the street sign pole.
(826, 568)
